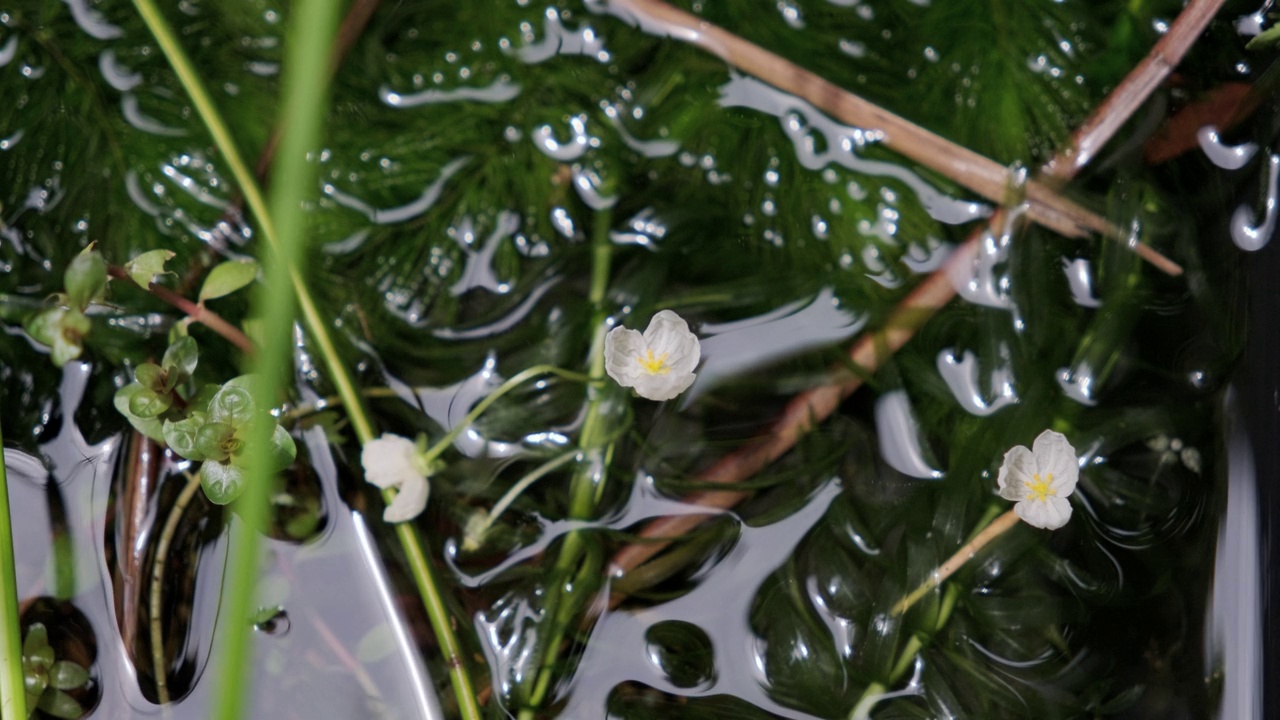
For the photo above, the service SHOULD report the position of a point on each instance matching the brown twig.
(1134, 90)
(141, 473)
(815, 405)
(197, 312)
(955, 162)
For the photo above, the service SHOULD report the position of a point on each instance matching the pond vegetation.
(326, 393)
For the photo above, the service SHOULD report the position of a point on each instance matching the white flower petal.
(409, 502)
(388, 461)
(663, 387)
(1049, 514)
(1017, 469)
(1055, 456)
(659, 364)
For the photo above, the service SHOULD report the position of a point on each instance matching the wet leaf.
(148, 404)
(233, 403)
(150, 376)
(37, 638)
(182, 436)
(151, 426)
(227, 278)
(180, 359)
(60, 705)
(86, 279)
(66, 675)
(222, 482)
(144, 268)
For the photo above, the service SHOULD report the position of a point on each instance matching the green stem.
(477, 535)
(313, 41)
(586, 486)
(13, 699)
(514, 382)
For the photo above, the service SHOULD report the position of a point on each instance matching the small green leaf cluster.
(208, 423)
(46, 679)
(64, 325)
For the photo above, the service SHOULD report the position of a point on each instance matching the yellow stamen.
(653, 365)
(1040, 489)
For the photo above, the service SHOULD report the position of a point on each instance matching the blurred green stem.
(589, 479)
(305, 106)
(13, 699)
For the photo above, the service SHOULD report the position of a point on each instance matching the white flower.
(658, 364)
(392, 461)
(1040, 480)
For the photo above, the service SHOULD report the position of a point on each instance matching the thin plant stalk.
(589, 479)
(980, 174)
(512, 383)
(441, 622)
(516, 490)
(159, 666)
(966, 553)
(13, 698)
(813, 406)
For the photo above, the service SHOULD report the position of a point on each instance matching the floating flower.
(658, 364)
(1040, 480)
(397, 462)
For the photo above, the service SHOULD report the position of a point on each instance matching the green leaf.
(86, 278)
(1268, 38)
(63, 330)
(45, 325)
(150, 376)
(146, 403)
(34, 678)
(222, 482)
(283, 449)
(180, 359)
(60, 705)
(151, 427)
(233, 403)
(227, 278)
(213, 441)
(143, 268)
(181, 436)
(66, 675)
(37, 637)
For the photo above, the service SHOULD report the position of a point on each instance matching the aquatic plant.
(859, 297)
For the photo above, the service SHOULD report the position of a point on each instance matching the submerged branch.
(955, 162)
(815, 405)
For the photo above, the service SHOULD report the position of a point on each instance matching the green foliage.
(227, 278)
(144, 268)
(47, 679)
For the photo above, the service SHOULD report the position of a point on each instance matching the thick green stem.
(13, 699)
(306, 103)
(589, 479)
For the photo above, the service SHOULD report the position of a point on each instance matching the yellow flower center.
(653, 365)
(1040, 488)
